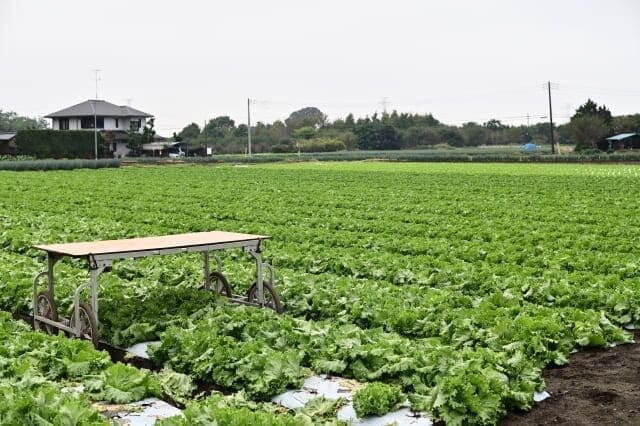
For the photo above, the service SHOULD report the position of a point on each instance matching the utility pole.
(204, 126)
(95, 119)
(249, 126)
(550, 118)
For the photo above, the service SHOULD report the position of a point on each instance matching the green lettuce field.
(457, 283)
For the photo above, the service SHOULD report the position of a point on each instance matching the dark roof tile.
(98, 107)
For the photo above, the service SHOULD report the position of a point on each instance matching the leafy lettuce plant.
(122, 384)
(377, 399)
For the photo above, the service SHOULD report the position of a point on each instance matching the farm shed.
(620, 141)
(158, 148)
(8, 143)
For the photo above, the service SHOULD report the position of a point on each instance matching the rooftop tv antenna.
(95, 119)
(384, 102)
(96, 71)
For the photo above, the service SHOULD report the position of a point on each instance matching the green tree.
(306, 132)
(309, 116)
(278, 131)
(451, 136)
(405, 120)
(224, 123)
(134, 142)
(474, 134)
(349, 122)
(626, 123)
(191, 131)
(241, 131)
(592, 109)
(377, 135)
(219, 127)
(417, 136)
(149, 132)
(586, 131)
(590, 124)
(138, 138)
(495, 128)
(494, 124)
(12, 122)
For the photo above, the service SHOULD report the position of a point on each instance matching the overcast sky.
(185, 61)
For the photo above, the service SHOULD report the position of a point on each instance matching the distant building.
(113, 121)
(8, 143)
(161, 148)
(620, 141)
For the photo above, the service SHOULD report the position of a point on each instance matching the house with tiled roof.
(113, 121)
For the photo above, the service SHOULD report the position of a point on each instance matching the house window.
(87, 122)
(117, 123)
(63, 124)
(134, 124)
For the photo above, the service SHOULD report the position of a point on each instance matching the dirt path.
(598, 387)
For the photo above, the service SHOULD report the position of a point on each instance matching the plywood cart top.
(129, 247)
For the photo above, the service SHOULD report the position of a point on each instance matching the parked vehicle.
(176, 153)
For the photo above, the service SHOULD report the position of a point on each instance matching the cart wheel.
(46, 307)
(271, 298)
(88, 323)
(221, 283)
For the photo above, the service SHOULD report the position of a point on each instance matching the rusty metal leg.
(51, 261)
(94, 291)
(36, 314)
(259, 278)
(92, 285)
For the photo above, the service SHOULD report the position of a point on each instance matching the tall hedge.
(60, 144)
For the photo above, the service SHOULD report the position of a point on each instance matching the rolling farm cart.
(101, 254)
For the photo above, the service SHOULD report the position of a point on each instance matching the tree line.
(309, 130)
(12, 122)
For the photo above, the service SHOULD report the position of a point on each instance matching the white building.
(108, 118)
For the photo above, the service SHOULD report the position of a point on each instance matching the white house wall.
(109, 123)
(74, 124)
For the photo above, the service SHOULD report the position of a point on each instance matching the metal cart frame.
(101, 254)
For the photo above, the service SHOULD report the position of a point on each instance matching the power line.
(609, 91)
(266, 104)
